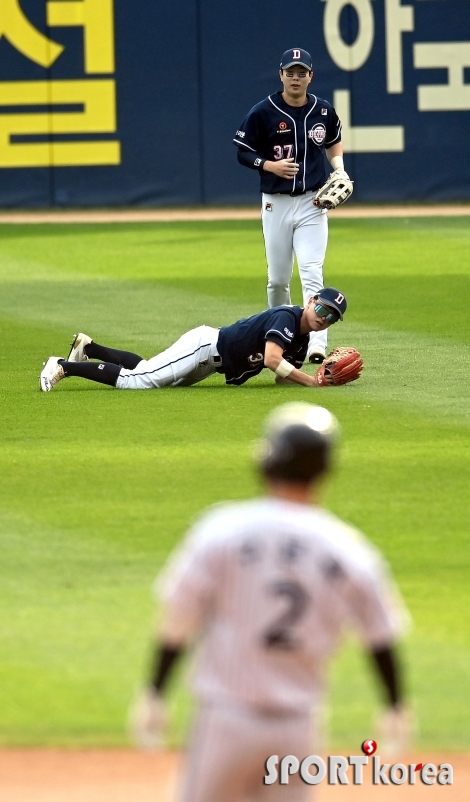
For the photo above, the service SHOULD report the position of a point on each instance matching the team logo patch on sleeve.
(317, 133)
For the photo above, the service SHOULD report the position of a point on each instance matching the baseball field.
(98, 485)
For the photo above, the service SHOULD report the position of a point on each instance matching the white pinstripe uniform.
(189, 360)
(266, 586)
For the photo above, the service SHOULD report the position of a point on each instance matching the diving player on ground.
(276, 339)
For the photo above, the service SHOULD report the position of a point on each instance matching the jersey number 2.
(283, 152)
(279, 634)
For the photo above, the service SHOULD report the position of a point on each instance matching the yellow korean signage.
(93, 98)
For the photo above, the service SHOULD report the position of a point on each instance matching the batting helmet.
(296, 442)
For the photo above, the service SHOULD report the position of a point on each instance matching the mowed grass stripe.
(97, 486)
(412, 371)
(402, 367)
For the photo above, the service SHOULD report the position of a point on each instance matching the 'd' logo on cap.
(296, 54)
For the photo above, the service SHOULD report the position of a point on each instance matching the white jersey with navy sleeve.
(268, 586)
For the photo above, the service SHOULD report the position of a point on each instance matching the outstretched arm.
(274, 360)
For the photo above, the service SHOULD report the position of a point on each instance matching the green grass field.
(97, 486)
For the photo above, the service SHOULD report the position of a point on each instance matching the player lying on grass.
(276, 339)
(262, 590)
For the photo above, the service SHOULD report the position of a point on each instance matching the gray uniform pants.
(294, 226)
(228, 752)
(189, 360)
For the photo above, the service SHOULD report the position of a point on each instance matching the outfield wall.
(136, 103)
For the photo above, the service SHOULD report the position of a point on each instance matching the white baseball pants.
(228, 752)
(294, 226)
(189, 360)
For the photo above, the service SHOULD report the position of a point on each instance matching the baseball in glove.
(337, 189)
(342, 366)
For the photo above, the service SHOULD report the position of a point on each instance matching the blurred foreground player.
(263, 589)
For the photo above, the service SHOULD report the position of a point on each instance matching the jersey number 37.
(283, 151)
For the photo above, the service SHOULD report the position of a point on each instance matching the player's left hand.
(342, 366)
(147, 719)
(336, 190)
(395, 730)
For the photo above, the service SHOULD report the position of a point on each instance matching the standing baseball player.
(285, 138)
(263, 589)
(276, 339)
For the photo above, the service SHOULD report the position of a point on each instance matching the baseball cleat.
(77, 348)
(316, 357)
(51, 373)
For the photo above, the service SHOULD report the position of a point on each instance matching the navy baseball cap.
(296, 56)
(329, 296)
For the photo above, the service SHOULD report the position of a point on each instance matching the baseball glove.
(337, 189)
(342, 366)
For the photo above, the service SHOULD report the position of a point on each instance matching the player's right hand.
(147, 719)
(396, 728)
(284, 168)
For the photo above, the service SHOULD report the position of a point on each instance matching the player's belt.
(297, 194)
(292, 194)
(217, 360)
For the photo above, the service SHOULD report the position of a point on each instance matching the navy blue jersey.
(242, 344)
(273, 130)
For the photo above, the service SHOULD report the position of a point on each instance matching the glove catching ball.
(342, 366)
